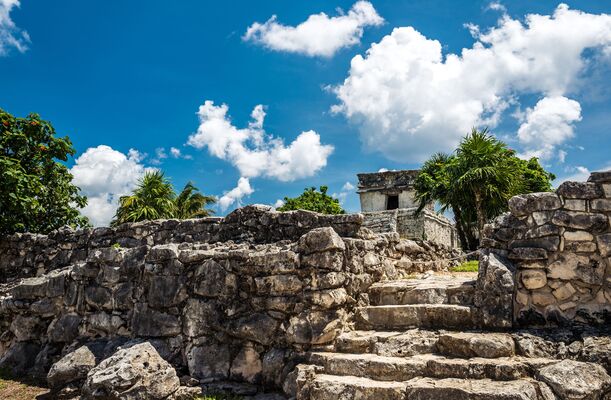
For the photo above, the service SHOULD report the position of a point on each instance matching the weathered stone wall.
(428, 225)
(560, 244)
(23, 255)
(219, 299)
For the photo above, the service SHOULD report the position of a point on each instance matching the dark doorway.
(392, 202)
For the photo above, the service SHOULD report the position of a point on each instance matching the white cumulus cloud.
(10, 35)
(319, 35)
(547, 125)
(409, 99)
(104, 175)
(347, 186)
(235, 195)
(255, 153)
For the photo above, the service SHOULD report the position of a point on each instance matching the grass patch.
(468, 266)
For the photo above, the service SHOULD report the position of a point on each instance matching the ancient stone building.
(388, 203)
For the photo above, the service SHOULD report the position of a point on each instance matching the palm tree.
(191, 204)
(153, 198)
(435, 184)
(485, 170)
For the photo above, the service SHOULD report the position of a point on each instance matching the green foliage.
(313, 200)
(468, 266)
(477, 181)
(191, 204)
(37, 194)
(154, 198)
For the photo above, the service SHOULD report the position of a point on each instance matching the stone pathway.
(416, 341)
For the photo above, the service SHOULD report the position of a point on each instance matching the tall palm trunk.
(481, 215)
(459, 227)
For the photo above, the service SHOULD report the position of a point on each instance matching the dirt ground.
(15, 390)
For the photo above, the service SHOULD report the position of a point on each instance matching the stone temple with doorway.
(389, 204)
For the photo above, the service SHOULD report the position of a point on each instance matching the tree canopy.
(477, 181)
(37, 194)
(313, 200)
(155, 198)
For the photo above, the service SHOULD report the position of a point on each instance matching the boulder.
(74, 366)
(135, 372)
(209, 362)
(320, 239)
(494, 291)
(575, 380)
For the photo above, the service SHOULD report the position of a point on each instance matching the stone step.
(440, 316)
(432, 290)
(384, 368)
(325, 387)
(419, 341)
(476, 389)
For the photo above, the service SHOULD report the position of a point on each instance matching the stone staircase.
(416, 341)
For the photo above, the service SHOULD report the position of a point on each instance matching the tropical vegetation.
(154, 198)
(37, 191)
(313, 200)
(476, 182)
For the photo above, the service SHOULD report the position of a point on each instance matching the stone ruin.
(388, 204)
(273, 305)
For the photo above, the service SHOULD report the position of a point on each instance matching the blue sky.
(133, 75)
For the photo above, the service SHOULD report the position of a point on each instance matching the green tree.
(477, 181)
(36, 190)
(191, 204)
(154, 198)
(313, 200)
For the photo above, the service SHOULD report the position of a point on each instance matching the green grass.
(469, 266)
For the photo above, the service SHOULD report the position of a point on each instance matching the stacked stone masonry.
(560, 244)
(237, 299)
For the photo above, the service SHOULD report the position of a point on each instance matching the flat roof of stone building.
(374, 181)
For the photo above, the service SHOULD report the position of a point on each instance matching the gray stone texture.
(560, 244)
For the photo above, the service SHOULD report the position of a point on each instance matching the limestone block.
(154, 323)
(575, 380)
(522, 297)
(162, 252)
(543, 230)
(247, 366)
(580, 220)
(328, 280)
(329, 298)
(580, 190)
(604, 244)
(320, 239)
(257, 327)
(600, 177)
(199, 317)
(98, 297)
(533, 278)
(278, 285)
(329, 260)
(542, 298)
(132, 373)
(607, 189)
(574, 205)
(527, 203)
(528, 253)
(25, 328)
(603, 205)
(166, 290)
(542, 217)
(64, 328)
(580, 247)
(578, 236)
(314, 327)
(568, 305)
(564, 292)
(549, 243)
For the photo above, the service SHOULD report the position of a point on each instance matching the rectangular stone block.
(580, 190)
(581, 220)
(607, 190)
(578, 236)
(575, 205)
(600, 205)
